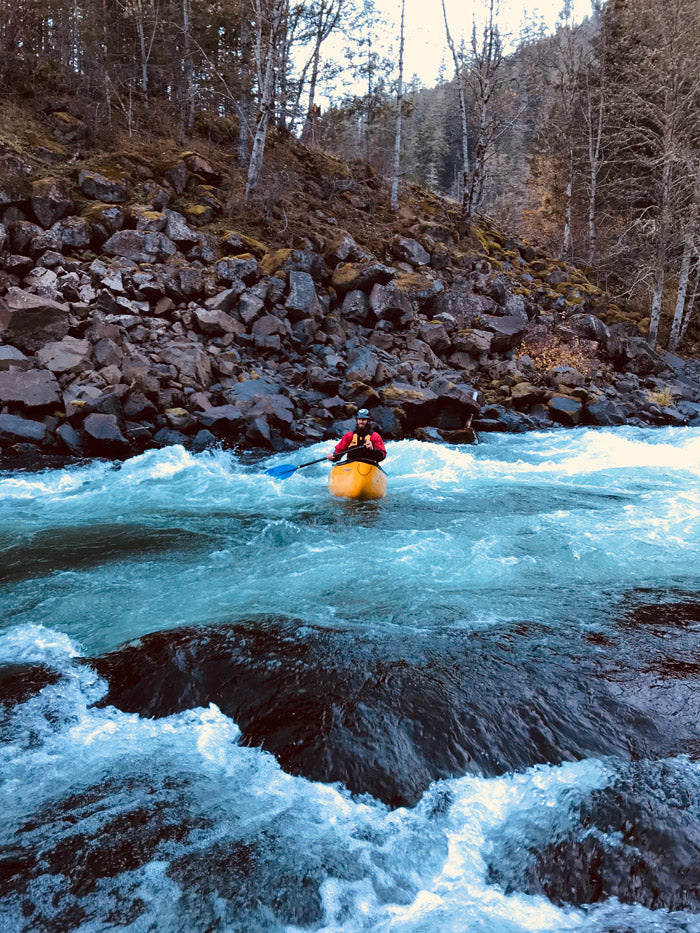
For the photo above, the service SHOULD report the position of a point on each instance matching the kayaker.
(361, 444)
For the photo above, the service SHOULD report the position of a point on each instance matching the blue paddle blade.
(281, 472)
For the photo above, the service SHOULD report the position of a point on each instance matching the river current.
(234, 703)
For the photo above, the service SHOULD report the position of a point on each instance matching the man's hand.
(369, 444)
(330, 456)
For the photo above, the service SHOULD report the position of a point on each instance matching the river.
(234, 703)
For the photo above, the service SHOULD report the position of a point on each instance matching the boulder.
(341, 249)
(103, 436)
(514, 306)
(390, 304)
(201, 214)
(507, 331)
(12, 358)
(180, 419)
(205, 249)
(137, 407)
(198, 165)
(33, 389)
(192, 363)
(51, 200)
(16, 430)
(237, 269)
(107, 352)
(177, 230)
(98, 188)
(15, 186)
(474, 342)
(22, 234)
(302, 300)
(362, 365)
(590, 327)
(268, 326)
(80, 400)
(216, 323)
(277, 410)
(419, 288)
(604, 413)
(70, 438)
(565, 376)
(525, 396)
(355, 307)
(258, 433)
(360, 276)
(225, 301)
(250, 307)
(29, 321)
(139, 245)
(565, 410)
(43, 282)
(72, 233)
(434, 334)
(69, 355)
(641, 359)
(411, 251)
(419, 405)
(222, 420)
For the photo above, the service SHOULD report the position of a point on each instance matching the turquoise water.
(535, 543)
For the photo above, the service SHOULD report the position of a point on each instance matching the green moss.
(272, 262)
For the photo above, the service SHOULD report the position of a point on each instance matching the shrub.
(549, 351)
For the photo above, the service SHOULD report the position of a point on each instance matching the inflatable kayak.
(357, 480)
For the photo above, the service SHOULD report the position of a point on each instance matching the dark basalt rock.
(34, 390)
(389, 718)
(638, 841)
(565, 410)
(103, 436)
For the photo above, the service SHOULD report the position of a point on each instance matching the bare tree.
(399, 114)
(327, 14)
(487, 58)
(460, 82)
(269, 18)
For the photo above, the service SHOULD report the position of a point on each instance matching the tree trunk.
(687, 317)
(142, 43)
(568, 204)
(308, 134)
(594, 143)
(675, 335)
(266, 81)
(655, 314)
(187, 68)
(459, 78)
(399, 106)
(243, 106)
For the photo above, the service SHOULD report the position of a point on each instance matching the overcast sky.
(425, 28)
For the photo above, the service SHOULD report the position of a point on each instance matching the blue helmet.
(362, 413)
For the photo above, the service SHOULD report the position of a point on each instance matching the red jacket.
(378, 454)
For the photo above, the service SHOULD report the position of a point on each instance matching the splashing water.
(418, 714)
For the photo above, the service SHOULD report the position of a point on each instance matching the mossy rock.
(273, 261)
(234, 243)
(199, 214)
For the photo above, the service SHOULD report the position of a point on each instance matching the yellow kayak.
(357, 480)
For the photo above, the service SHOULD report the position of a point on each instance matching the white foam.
(36, 644)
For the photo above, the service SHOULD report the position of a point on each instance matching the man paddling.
(361, 444)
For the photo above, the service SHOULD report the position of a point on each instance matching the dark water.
(230, 703)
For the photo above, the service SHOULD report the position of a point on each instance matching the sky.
(425, 46)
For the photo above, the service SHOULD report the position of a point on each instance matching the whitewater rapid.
(518, 561)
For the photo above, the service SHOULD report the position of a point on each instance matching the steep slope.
(141, 304)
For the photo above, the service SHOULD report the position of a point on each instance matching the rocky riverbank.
(131, 316)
